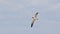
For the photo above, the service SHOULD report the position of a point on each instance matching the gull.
(34, 19)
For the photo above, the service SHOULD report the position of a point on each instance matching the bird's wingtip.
(31, 25)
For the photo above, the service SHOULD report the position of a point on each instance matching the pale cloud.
(39, 3)
(50, 7)
(49, 25)
(35, 2)
(55, 6)
(2, 1)
(11, 5)
(14, 5)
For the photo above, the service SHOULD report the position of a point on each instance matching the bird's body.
(34, 19)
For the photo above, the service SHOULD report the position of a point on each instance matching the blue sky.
(16, 16)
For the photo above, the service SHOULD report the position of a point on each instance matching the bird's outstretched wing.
(36, 14)
(32, 22)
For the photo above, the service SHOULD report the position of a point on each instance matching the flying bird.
(34, 19)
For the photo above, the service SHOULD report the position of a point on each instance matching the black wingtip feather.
(31, 25)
